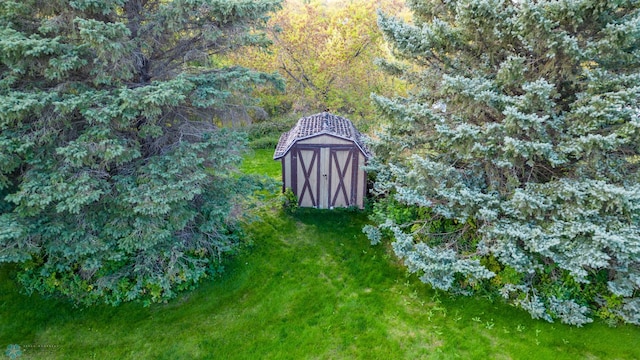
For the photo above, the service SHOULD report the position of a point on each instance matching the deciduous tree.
(326, 52)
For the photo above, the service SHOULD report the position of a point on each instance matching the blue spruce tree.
(114, 183)
(514, 163)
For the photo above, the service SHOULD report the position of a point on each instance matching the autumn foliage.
(326, 52)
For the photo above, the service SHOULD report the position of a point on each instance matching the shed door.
(342, 177)
(325, 177)
(306, 162)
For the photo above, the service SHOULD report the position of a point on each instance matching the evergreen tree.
(514, 163)
(115, 184)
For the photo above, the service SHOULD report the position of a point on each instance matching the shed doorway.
(324, 176)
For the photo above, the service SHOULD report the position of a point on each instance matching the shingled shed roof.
(320, 124)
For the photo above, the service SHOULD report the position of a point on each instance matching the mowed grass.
(260, 161)
(309, 287)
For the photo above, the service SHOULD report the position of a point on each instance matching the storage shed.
(322, 158)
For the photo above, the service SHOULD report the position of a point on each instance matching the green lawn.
(260, 161)
(310, 286)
